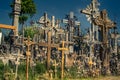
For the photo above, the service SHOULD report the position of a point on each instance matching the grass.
(99, 78)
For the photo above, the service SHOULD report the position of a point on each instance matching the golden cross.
(62, 64)
(28, 43)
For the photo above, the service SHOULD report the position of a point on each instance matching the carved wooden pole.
(16, 11)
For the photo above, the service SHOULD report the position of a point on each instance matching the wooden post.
(62, 61)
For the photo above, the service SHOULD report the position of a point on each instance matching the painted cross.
(62, 61)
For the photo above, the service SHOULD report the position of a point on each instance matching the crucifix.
(62, 61)
(105, 24)
(28, 43)
(49, 45)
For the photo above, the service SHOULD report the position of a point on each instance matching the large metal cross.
(62, 61)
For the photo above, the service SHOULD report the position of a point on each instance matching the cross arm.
(7, 27)
(55, 45)
(85, 12)
(63, 49)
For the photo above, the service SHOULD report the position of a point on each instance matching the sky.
(59, 8)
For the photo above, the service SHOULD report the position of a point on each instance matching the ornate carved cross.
(105, 23)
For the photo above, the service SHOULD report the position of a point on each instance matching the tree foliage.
(30, 32)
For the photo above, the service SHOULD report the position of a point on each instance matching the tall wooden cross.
(62, 61)
(105, 24)
(28, 43)
(49, 45)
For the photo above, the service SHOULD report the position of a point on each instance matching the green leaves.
(28, 7)
(22, 19)
(30, 32)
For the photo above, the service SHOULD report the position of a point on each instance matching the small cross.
(62, 64)
(55, 64)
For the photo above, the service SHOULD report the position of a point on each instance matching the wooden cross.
(105, 23)
(28, 43)
(49, 45)
(62, 61)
